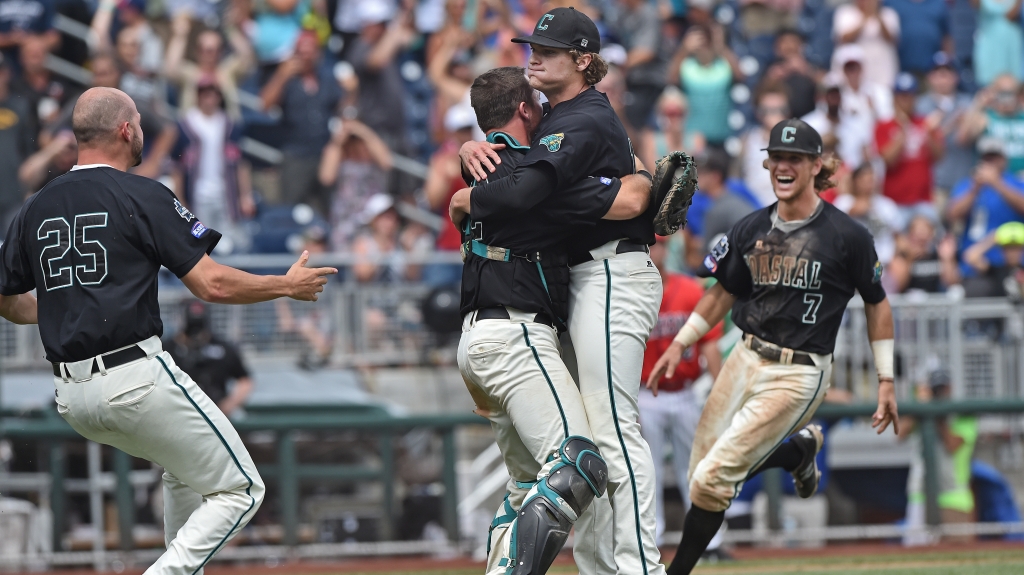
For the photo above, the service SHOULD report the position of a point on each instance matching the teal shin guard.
(557, 501)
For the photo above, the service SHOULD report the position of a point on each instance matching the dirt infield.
(988, 558)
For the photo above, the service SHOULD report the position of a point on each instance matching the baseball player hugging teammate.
(614, 288)
(515, 292)
(787, 272)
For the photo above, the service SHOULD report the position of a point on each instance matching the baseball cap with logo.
(794, 135)
(564, 28)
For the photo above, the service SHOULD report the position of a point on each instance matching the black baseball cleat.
(806, 475)
(712, 556)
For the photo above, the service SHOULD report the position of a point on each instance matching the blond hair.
(597, 69)
(829, 166)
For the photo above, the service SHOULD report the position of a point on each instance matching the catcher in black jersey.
(787, 272)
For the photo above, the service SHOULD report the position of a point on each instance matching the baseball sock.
(788, 456)
(699, 528)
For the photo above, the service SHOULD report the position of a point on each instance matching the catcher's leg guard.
(554, 504)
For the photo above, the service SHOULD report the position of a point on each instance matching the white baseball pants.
(151, 409)
(613, 303)
(670, 418)
(753, 407)
(514, 371)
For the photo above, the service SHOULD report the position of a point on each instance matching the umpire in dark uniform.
(91, 243)
(211, 361)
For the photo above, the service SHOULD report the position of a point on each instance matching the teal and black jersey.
(520, 260)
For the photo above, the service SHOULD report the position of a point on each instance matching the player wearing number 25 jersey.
(91, 243)
(104, 233)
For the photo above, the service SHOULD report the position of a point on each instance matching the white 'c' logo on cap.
(788, 135)
(541, 25)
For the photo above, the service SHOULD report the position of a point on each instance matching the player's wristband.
(645, 174)
(694, 329)
(883, 350)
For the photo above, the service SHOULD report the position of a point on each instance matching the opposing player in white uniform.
(615, 290)
(787, 272)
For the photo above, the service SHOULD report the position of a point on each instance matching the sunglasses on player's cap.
(794, 135)
(565, 28)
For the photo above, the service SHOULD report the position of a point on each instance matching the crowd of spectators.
(353, 110)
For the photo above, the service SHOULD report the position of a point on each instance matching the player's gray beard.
(136, 148)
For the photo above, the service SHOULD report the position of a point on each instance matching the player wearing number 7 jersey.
(91, 243)
(787, 272)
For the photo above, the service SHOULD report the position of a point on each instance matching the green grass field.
(987, 562)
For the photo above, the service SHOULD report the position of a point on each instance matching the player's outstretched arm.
(633, 198)
(19, 309)
(881, 334)
(710, 310)
(216, 283)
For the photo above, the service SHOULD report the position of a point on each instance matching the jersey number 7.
(57, 231)
(813, 301)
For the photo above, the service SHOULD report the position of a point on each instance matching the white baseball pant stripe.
(614, 302)
(514, 371)
(151, 409)
(753, 407)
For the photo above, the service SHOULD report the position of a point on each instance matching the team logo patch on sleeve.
(199, 229)
(183, 211)
(719, 251)
(876, 275)
(606, 181)
(552, 142)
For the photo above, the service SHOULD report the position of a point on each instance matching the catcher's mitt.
(675, 182)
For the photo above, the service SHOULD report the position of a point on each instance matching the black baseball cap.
(794, 135)
(564, 28)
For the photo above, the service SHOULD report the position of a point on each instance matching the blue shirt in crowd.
(989, 212)
(923, 25)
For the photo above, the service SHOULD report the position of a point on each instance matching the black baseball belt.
(110, 360)
(772, 352)
(624, 247)
(499, 312)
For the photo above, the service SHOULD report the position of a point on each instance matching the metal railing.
(284, 476)
(980, 342)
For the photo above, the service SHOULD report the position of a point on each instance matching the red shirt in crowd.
(909, 180)
(681, 296)
(450, 239)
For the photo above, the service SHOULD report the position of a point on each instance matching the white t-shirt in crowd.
(881, 61)
(209, 186)
(757, 179)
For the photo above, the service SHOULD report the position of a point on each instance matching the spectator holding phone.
(997, 113)
(987, 200)
(705, 68)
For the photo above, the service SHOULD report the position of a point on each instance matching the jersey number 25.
(57, 232)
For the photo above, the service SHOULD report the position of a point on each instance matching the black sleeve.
(865, 269)
(725, 263)
(512, 195)
(16, 271)
(569, 145)
(587, 201)
(171, 233)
